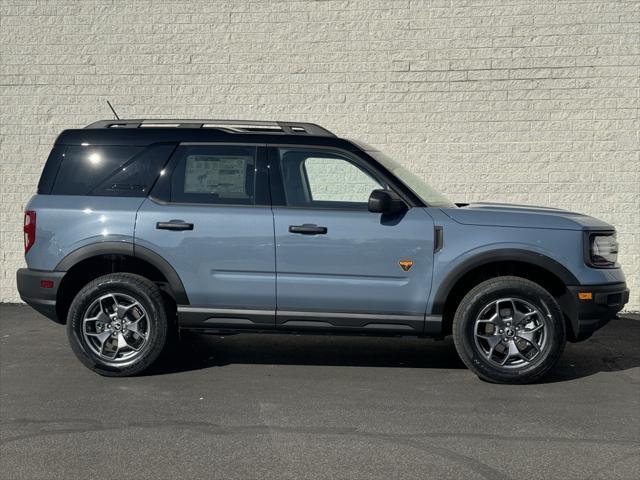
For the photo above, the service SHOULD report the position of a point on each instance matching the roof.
(231, 126)
(148, 131)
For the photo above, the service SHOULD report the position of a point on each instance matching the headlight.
(602, 249)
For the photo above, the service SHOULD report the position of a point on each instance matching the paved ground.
(283, 407)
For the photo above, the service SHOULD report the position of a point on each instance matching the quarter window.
(84, 168)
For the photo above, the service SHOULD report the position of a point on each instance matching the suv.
(143, 228)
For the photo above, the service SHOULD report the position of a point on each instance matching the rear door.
(210, 218)
(339, 266)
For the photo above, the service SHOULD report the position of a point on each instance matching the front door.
(210, 218)
(339, 266)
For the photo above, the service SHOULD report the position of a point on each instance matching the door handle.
(308, 229)
(175, 225)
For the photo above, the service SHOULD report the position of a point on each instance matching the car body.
(284, 227)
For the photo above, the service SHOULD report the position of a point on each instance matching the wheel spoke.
(493, 341)
(103, 306)
(514, 310)
(512, 352)
(104, 352)
(523, 317)
(122, 310)
(101, 336)
(100, 317)
(535, 346)
(123, 342)
(529, 336)
(135, 327)
(495, 319)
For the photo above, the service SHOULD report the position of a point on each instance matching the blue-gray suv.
(143, 228)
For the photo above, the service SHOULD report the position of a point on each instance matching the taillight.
(29, 229)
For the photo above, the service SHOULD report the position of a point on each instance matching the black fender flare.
(499, 255)
(131, 250)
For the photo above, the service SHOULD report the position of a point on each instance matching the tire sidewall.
(482, 295)
(142, 291)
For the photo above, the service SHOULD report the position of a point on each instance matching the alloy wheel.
(511, 332)
(116, 327)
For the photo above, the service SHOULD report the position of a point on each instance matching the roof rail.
(233, 126)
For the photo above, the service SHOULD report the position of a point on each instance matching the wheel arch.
(90, 261)
(540, 268)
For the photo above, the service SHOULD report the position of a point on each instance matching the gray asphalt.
(293, 407)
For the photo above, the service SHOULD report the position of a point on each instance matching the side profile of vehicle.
(142, 228)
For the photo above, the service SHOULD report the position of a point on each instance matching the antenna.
(113, 110)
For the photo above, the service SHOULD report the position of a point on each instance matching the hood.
(524, 216)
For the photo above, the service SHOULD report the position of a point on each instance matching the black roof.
(233, 126)
(147, 131)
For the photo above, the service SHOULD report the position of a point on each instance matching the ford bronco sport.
(143, 228)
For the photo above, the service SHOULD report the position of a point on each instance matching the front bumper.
(39, 289)
(593, 311)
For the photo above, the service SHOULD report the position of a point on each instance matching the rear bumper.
(39, 289)
(590, 314)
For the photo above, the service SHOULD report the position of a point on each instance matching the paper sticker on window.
(222, 175)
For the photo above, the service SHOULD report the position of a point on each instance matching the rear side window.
(110, 170)
(215, 174)
(136, 177)
(51, 169)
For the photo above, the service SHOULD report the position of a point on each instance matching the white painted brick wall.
(526, 101)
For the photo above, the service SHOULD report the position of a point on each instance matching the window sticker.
(222, 175)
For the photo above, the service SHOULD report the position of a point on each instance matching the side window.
(215, 174)
(50, 170)
(315, 178)
(137, 176)
(83, 168)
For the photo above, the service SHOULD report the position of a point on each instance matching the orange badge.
(405, 265)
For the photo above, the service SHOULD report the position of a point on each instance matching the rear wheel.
(117, 324)
(509, 330)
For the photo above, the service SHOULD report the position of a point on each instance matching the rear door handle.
(175, 225)
(308, 229)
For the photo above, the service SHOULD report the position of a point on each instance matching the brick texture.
(525, 101)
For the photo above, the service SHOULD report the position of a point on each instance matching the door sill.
(229, 318)
(225, 320)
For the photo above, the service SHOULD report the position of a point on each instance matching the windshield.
(427, 194)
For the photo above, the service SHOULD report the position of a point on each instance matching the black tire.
(483, 363)
(149, 297)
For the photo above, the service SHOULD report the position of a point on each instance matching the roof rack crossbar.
(234, 126)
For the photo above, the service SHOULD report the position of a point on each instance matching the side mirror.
(385, 201)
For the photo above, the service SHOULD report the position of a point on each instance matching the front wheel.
(509, 330)
(117, 324)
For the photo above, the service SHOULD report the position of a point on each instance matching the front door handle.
(175, 225)
(308, 229)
